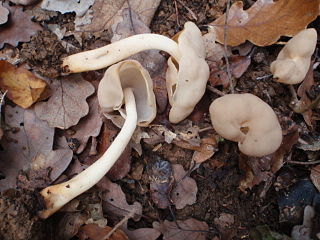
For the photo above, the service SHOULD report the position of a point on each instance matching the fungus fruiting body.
(124, 83)
(246, 119)
(187, 72)
(293, 61)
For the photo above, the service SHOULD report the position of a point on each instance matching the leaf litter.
(208, 193)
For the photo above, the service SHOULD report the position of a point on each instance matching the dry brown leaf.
(19, 29)
(218, 72)
(88, 126)
(94, 232)
(69, 225)
(265, 21)
(28, 144)
(115, 203)
(315, 176)
(3, 14)
(24, 2)
(80, 7)
(142, 234)
(224, 223)
(107, 13)
(67, 105)
(185, 191)
(190, 229)
(23, 87)
(302, 92)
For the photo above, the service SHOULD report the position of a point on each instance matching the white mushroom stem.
(117, 51)
(58, 195)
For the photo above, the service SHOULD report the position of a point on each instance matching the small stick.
(189, 10)
(177, 13)
(216, 91)
(225, 48)
(123, 220)
(304, 163)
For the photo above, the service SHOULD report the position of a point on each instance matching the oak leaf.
(265, 21)
(68, 102)
(28, 144)
(190, 229)
(19, 28)
(23, 87)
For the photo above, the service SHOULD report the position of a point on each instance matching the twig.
(189, 10)
(216, 91)
(225, 35)
(293, 93)
(177, 13)
(123, 220)
(304, 163)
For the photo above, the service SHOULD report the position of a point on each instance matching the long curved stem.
(117, 51)
(58, 195)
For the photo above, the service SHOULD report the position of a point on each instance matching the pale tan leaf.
(68, 102)
(265, 21)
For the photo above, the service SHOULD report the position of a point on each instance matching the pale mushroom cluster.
(243, 118)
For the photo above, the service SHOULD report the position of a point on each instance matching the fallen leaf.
(142, 234)
(69, 225)
(106, 13)
(218, 71)
(185, 191)
(190, 229)
(224, 223)
(96, 215)
(80, 7)
(19, 28)
(305, 101)
(23, 87)
(4, 12)
(160, 174)
(315, 176)
(115, 203)
(88, 126)
(28, 144)
(94, 232)
(67, 105)
(265, 21)
(214, 51)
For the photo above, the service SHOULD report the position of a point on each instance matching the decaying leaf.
(28, 144)
(23, 87)
(115, 203)
(218, 71)
(69, 225)
(68, 102)
(305, 101)
(88, 126)
(3, 14)
(190, 229)
(161, 179)
(106, 13)
(24, 2)
(142, 233)
(224, 223)
(265, 21)
(185, 191)
(315, 176)
(19, 29)
(94, 232)
(79, 7)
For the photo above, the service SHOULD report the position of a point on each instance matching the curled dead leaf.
(265, 21)
(23, 87)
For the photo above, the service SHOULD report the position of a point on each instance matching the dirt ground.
(218, 178)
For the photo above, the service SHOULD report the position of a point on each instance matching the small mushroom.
(246, 119)
(124, 83)
(187, 72)
(293, 61)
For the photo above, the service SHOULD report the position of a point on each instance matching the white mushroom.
(187, 72)
(246, 119)
(293, 61)
(124, 83)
